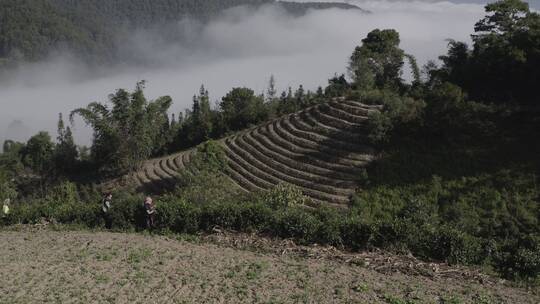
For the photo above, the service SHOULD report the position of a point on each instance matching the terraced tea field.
(322, 150)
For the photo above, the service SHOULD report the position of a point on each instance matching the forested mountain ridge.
(31, 30)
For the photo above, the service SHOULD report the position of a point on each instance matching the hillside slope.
(96, 30)
(322, 149)
(44, 266)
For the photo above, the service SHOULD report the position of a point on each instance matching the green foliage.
(66, 153)
(296, 223)
(337, 86)
(210, 156)
(519, 258)
(241, 108)
(38, 152)
(205, 186)
(238, 110)
(399, 112)
(204, 181)
(356, 233)
(501, 66)
(65, 192)
(7, 187)
(127, 133)
(461, 221)
(283, 196)
(11, 157)
(32, 30)
(456, 182)
(378, 62)
(178, 216)
(201, 124)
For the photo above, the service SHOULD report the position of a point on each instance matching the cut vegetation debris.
(45, 266)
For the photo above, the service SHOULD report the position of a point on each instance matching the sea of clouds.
(243, 47)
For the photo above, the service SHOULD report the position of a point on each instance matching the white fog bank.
(242, 48)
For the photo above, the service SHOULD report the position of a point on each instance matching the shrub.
(399, 112)
(210, 156)
(224, 215)
(297, 223)
(519, 259)
(127, 211)
(177, 215)
(255, 217)
(65, 192)
(329, 231)
(488, 219)
(450, 245)
(356, 234)
(284, 195)
(7, 187)
(393, 235)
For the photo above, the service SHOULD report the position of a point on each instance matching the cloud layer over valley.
(241, 48)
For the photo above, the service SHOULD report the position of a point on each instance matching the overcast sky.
(532, 3)
(242, 48)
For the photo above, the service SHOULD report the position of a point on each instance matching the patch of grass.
(233, 271)
(450, 300)
(121, 283)
(394, 300)
(255, 270)
(83, 254)
(104, 257)
(137, 256)
(360, 287)
(484, 299)
(300, 297)
(339, 290)
(102, 279)
(140, 277)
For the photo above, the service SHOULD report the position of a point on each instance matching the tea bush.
(466, 221)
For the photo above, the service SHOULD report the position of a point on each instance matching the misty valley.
(263, 151)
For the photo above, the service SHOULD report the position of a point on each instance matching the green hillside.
(444, 168)
(31, 30)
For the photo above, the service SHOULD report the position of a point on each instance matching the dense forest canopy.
(31, 30)
(502, 65)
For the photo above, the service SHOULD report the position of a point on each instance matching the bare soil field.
(44, 265)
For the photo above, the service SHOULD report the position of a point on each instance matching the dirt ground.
(56, 266)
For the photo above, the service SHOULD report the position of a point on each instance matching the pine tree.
(299, 97)
(65, 153)
(200, 125)
(271, 91)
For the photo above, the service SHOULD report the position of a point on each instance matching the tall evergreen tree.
(65, 154)
(271, 90)
(200, 125)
